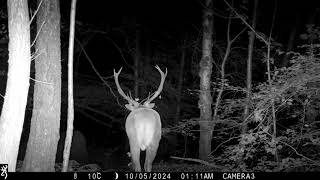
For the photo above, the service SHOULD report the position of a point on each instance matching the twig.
(301, 155)
(35, 39)
(43, 82)
(199, 161)
(236, 37)
(95, 70)
(95, 111)
(35, 13)
(223, 143)
(95, 119)
(245, 22)
(35, 55)
(120, 51)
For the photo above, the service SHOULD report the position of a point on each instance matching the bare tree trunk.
(15, 100)
(180, 80)
(146, 59)
(249, 65)
(68, 140)
(137, 60)
(205, 99)
(290, 44)
(45, 121)
(291, 40)
(274, 133)
(223, 66)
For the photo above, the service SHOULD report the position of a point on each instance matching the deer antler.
(156, 94)
(129, 99)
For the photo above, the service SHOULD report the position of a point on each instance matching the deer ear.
(129, 107)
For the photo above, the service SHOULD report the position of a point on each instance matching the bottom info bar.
(159, 175)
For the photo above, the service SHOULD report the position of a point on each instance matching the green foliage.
(292, 144)
(185, 127)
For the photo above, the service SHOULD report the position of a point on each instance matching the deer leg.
(151, 153)
(135, 155)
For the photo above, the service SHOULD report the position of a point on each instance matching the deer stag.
(143, 125)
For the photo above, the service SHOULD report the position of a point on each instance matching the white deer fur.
(143, 125)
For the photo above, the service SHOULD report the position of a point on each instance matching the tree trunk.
(15, 100)
(180, 80)
(45, 121)
(205, 99)
(69, 133)
(137, 60)
(291, 40)
(249, 65)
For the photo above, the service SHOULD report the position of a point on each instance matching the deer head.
(143, 125)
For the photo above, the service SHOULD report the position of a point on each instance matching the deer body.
(143, 125)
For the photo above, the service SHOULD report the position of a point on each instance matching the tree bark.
(180, 80)
(15, 100)
(291, 40)
(137, 60)
(69, 133)
(249, 65)
(45, 122)
(205, 99)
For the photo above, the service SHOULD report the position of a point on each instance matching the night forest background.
(282, 126)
